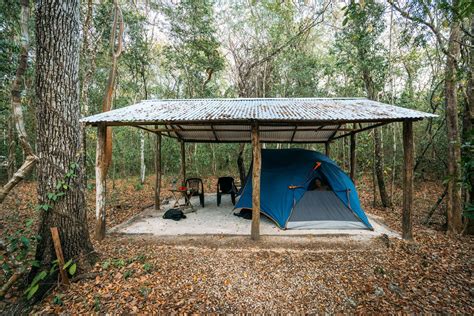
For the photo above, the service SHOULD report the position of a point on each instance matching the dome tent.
(286, 176)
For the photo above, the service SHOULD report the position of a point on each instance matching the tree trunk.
(87, 53)
(241, 165)
(115, 54)
(59, 138)
(453, 205)
(468, 123)
(378, 151)
(379, 168)
(17, 112)
(158, 171)
(142, 157)
(11, 144)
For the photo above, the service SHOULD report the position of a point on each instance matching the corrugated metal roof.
(229, 120)
(265, 110)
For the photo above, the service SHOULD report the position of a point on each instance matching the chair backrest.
(226, 184)
(194, 184)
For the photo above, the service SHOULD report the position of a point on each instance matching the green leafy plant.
(69, 266)
(128, 274)
(147, 267)
(57, 300)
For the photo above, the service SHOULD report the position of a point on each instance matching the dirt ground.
(229, 274)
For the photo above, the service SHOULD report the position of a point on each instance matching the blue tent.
(286, 177)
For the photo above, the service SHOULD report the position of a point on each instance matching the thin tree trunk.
(11, 144)
(453, 205)
(379, 168)
(374, 177)
(109, 91)
(142, 157)
(17, 112)
(89, 54)
(241, 165)
(59, 140)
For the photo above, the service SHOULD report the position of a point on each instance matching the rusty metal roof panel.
(278, 110)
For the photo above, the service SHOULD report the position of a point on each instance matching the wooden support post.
(59, 255)
(327, 148)
(257, 163)
(353, 158)
(100, 183)
(407, 216)
(158, 171)
(183, 163)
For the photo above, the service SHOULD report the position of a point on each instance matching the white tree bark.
(142, 157)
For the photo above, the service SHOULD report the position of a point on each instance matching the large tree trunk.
(454, 205)
(59, 134)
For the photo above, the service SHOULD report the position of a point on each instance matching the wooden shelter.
(277, 120)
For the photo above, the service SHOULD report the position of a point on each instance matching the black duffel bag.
(174, 213)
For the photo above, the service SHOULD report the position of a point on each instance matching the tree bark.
(115, 54)
(241, 165)
(11, 149)
(183, 163)
(100, 183)
(378, 151)
(142, 157)
(453, 205)
(59, 136)
(379, 168)
(407, 212)
(90, 54)
(257, 164)
(467, 134)
(353, 160)
(158, 171)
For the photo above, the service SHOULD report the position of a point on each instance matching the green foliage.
(193, 56)
(358, 46)
(147, 267)
(57, 300)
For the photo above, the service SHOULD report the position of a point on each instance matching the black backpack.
(244, 213)
(174, 213)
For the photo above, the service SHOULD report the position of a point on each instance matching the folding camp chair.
(226, 185)
(196, 188)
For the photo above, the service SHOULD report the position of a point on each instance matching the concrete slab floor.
(214, 220)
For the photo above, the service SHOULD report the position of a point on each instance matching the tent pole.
(100, 182)
(407, 216)
(353, 157)
(158, 171)
(327, 148)
(257, 163)
(183, 163)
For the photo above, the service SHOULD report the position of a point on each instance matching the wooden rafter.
(360, 130)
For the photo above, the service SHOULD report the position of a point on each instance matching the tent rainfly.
(287, 196)
(277, 120)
